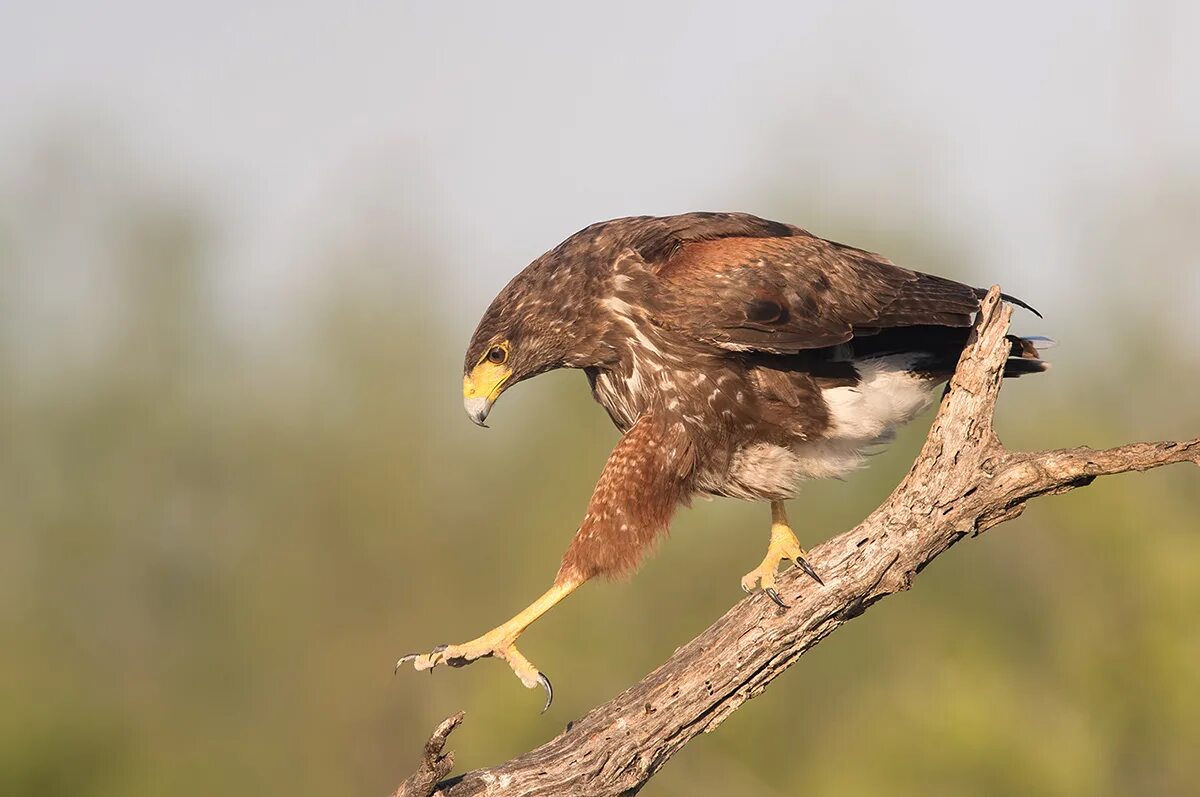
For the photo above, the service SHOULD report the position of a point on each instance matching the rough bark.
(435, 764)
(963, 482)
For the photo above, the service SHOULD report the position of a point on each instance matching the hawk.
(738, 357)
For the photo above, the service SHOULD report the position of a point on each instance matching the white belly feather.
(861, 417)
(888, 396)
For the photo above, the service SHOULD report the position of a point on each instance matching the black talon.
(407, 657)
(803, 564)
(545, 682)
(773, 595)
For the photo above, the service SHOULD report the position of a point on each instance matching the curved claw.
(545, 683)
(407, 657)
(773, 595)
(803, 564)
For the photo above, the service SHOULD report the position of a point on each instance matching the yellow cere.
(485, 380)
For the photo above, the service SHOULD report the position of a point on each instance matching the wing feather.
(782, 290)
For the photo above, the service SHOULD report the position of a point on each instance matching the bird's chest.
(718, 413)
(704, 403)
(647, 370)
(626, 394)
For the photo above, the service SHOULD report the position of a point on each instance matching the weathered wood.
(963, 482)
(435, 764)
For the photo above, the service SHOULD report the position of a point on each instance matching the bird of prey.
(737, 356)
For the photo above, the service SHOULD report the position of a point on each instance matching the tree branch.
(434, 764)
(963, 482)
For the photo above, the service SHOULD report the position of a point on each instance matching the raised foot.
(498, 643)
(784, 545)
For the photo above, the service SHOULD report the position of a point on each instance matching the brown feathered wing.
(782, 295)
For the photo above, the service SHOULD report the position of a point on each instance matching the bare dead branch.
(963, 482)
(434, 764)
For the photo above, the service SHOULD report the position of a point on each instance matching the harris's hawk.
(738, 357)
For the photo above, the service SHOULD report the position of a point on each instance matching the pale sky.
(499, 128)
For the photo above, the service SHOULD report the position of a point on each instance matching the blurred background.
(241, 252)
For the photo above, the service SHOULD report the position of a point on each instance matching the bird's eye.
(497, 355)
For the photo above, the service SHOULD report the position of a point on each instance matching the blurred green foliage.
(213, 552)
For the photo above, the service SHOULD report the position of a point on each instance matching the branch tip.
(434, 764)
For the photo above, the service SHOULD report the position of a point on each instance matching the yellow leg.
(783, 545)
(499, 642)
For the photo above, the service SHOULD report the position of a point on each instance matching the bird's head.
(536, 324)
(489, 370)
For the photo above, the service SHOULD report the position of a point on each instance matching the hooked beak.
(481, 387)
(477, 409)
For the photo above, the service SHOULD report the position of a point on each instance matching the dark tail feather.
(936, 350)
(1025, 358)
